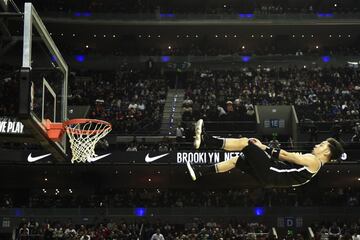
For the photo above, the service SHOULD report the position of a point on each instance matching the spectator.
(130, 100)
(24, 232)
(313, 133)
(337, 131)
(157, 235)
(356, 136)
(132, 148)
(179, 133)
(163, 147)
(334, 232)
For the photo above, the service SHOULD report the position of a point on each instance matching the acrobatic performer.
(272, 167)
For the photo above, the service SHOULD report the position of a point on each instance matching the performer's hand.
(258, 143)
(255, 141)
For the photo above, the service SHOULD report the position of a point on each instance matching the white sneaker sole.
(198, 131)
(191, 171)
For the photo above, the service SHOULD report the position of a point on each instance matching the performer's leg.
(235, 144)
(199, 171)
(210, 142)
(227, 165)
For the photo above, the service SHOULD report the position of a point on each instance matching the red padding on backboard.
(54, 130)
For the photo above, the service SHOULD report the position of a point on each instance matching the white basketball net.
(83, 138)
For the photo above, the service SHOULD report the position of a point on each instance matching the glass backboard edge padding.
(32, 17)
(27, 42)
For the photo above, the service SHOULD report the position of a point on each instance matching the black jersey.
(271, 172)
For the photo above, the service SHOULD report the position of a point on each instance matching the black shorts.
(270, 172)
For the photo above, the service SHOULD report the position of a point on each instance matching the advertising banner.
(119, 157)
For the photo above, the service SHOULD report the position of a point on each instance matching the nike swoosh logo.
(149, 159)
(98, 157)
(34, 159)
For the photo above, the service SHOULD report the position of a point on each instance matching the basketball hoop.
(83, 135)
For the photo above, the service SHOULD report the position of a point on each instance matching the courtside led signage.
(8, 126)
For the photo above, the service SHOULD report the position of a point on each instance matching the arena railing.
(213, 127)
(30, 237)
(327, 126)
(249, 235)
(219, 60)
(228, 127)
(352, 149)
(201, 16)
(246, 212)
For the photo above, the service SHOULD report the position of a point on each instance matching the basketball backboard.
(43, 83)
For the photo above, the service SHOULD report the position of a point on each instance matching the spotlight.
(80, 58)
(139, 212)
(245, 58)
(259, 211)
(326, 59)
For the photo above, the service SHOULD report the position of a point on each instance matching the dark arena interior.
(160, 77)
